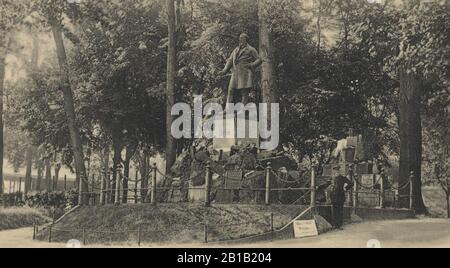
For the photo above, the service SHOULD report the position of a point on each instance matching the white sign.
(305, 228)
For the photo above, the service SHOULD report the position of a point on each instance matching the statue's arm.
(228, 65)
(258, 59)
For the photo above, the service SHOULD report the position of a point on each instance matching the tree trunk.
(171, 76)
(75, 139)
(144, 170)
(126, 176)
(56, 177)
(117, 159)
(29, 165)
(48, 175)
(131, 149)
(30, 149)
(266, 52)
(448, 205)
(410, 138)
(3, 52)
(39, 178)
(106, 176)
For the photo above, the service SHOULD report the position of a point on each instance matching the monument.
(242, 63)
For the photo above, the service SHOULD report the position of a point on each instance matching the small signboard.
(305, 228)
(367, 180)
(233, 179)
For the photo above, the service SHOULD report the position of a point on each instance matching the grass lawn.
(168, 223)
(13, 218)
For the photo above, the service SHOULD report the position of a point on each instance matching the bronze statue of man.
(242, 62)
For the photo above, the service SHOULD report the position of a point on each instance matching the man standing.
(243, 60)
(339, 184)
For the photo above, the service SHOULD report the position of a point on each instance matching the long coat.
(336, 189)
(241, 61)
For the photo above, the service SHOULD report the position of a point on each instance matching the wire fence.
(294, 197)
(202, 232)
(273, 188)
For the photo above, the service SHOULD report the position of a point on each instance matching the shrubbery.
(44, 199)
(11, 200)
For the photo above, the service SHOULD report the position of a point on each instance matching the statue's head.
(243, 39)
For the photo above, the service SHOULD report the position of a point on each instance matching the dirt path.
(424, 232)
(22, 238)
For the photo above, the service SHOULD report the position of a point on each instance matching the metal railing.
(361, 195)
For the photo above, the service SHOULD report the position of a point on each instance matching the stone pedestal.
(231, 138)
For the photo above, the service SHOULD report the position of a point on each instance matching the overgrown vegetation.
(13, 218)
(168, 223)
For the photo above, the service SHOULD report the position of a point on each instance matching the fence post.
(153, 192)
(135, 187)
(139, 236)
(271, 221)
(80, 190)
(102, 190)
(207, 184)
(34, 230)
(93, 189)
(382, 188)
(93, 182)
(118, 181)
(351, 176)
(205, 228)
(411, 190)
(355, 192)
(313, 187)
(107, 187)
(267, 197)
(50, 233)
(84, 236)
(135, 192)
(65, 183)
(20, 184)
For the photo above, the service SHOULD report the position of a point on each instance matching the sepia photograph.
(234, 125)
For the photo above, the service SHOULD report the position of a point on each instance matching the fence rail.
(360, 195)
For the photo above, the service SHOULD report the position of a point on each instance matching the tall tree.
(422, 64)
(69, 108)
(11, 14)
(411, 135)
(170, 87)
(30, 148)
(266, 51)
(52, 11)
(3, 52)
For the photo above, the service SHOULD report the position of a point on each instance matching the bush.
(55, 199)
(12, 218)
(11, 200)
(45, 199)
